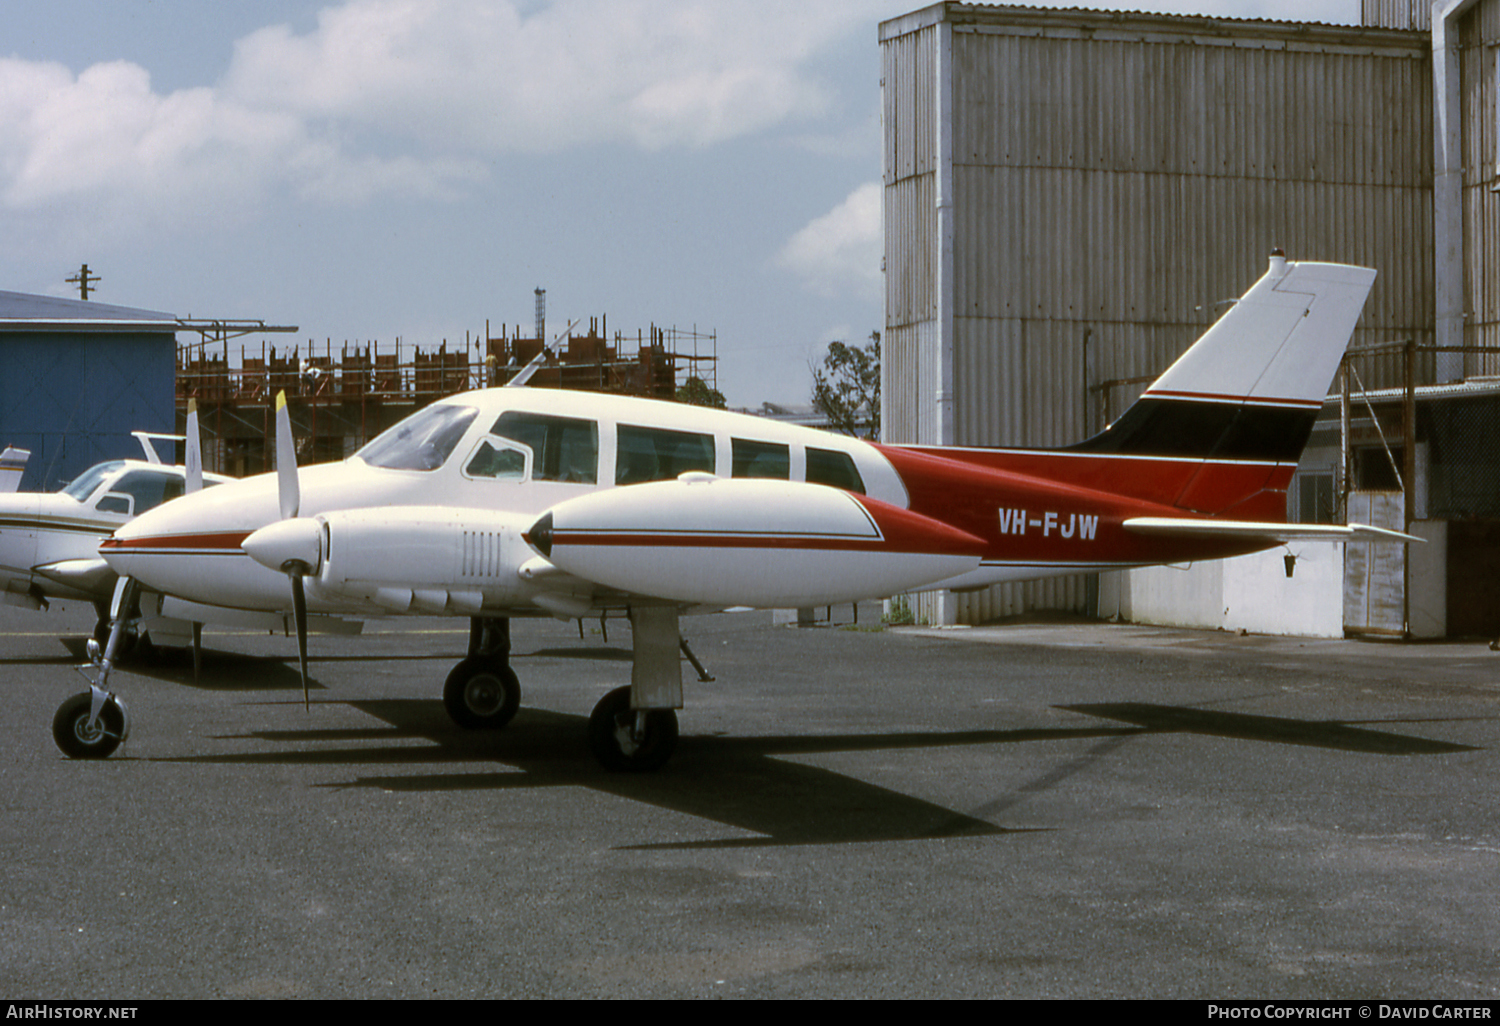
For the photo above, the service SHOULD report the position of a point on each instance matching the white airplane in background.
(49, 541)
(526, 502)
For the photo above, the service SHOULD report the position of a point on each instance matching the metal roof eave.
(88, 325)
(1023, 17)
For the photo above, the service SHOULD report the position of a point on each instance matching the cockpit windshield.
(423, 441)
(84, 484)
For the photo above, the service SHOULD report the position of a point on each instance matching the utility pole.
(82, 279)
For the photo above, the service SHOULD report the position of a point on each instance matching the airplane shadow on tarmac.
(736, 781)
(740, 782)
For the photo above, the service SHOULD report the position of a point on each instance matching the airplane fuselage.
(489, 463)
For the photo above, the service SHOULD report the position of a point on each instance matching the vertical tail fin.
(1247, 392)
(1280, 343)
(1245, 395)
(12, 465)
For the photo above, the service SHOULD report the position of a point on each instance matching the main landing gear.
(483, 692)
(632, 729)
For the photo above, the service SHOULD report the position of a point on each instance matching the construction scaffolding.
(342, 398)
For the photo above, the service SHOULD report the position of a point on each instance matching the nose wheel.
(80, 735)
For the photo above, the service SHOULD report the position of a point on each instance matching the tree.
(847, 388)
(696, 392)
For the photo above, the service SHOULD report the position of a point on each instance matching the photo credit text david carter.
(1359, 1010)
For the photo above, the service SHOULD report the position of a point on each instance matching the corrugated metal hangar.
(1072, 196)
(78, 377)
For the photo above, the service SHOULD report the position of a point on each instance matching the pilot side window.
(562, 448)
(423, 441)
(496, 463)
(826, 467)
(655, 454)
(83, 486)
(761, 459)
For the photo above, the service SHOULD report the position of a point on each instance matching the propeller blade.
(193, 457)
(299, 611)
(286, 460)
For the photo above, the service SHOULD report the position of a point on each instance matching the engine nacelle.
(726, 542)
(423, 559)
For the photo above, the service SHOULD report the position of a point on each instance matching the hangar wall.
(1479, 216)
(78, 378)
(1072, 197)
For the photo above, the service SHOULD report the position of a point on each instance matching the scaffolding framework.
(342, 398)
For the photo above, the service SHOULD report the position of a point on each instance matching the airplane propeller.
(192, 458)
(192, 462)
(296, 566)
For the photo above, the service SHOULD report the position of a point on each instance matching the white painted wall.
(1251, 593)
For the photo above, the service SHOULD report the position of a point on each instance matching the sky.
(382, 169)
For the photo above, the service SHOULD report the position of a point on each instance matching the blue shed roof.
(20, 311)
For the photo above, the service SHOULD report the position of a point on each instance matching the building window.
(1375, 470)
(1312, 499)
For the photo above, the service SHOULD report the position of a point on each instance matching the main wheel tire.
(612, 735)
(71, 730)
(482, 694)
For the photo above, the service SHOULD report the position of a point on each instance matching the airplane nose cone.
(288, 544)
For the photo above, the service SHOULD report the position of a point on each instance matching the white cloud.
(410, 97)
(839, 253)
(653, 73)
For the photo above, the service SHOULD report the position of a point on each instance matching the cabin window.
(146, 489)
(826, 467)
(761, 459)
(655, 454)
(562, 448)
(423, 441)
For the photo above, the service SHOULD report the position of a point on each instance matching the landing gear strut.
(482, 692)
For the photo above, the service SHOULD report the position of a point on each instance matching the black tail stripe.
(1205, 430)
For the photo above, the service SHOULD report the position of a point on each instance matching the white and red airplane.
(515, 502)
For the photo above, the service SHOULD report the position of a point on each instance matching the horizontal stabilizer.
(1264, 531)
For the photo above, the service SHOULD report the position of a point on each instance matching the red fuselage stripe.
(705, 540)
(231, 542)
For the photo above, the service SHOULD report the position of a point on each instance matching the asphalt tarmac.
(1039, 810)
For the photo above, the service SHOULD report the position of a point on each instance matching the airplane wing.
(12, 463)
(1264, 531)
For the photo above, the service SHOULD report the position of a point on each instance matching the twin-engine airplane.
(524, 502)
